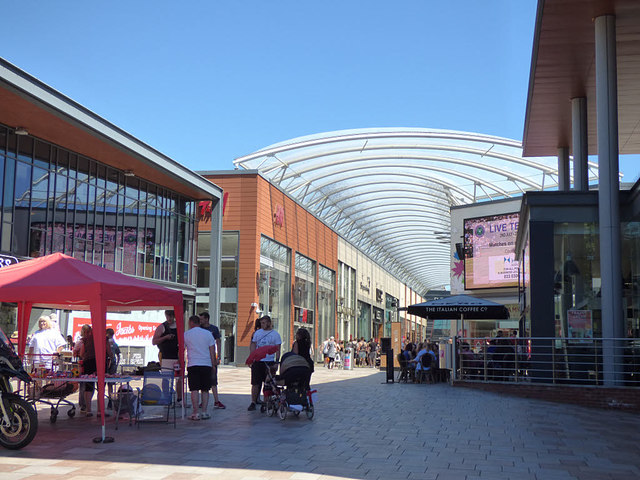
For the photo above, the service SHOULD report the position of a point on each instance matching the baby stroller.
(271, 392)
(296, 397)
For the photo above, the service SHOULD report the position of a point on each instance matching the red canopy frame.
(63, 282)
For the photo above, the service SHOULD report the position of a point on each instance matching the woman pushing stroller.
(296, 368)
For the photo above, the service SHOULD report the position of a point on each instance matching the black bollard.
(389, 354)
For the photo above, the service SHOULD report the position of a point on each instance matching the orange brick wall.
(250, 209)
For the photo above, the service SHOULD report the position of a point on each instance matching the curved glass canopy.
(388, 191)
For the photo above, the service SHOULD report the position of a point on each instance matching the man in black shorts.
(201, 356)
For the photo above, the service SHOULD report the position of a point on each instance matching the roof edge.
(39, 92)
(532, 74)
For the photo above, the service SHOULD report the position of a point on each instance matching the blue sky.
(208, 81)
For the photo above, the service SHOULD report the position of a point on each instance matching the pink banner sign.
(126, 332)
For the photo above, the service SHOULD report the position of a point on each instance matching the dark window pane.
(42, 154)
(203, 274)
(25, 148)
(83, 168)
(3, 140)
(9, 179)
(12, 145)
(38, 242)
(63, 161)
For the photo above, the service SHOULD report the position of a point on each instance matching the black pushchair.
(296, 397)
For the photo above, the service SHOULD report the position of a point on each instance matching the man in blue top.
(204, 323)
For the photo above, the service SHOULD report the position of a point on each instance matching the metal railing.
(611, 362)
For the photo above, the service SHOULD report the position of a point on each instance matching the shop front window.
(631, 277)
(273, 285)
(54, 200)
(326, 306)
(364, 320)
(577, 280)
(304, 294)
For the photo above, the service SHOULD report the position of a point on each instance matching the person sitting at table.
(407, 369)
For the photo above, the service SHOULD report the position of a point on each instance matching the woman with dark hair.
(88, 356)
(302, 346)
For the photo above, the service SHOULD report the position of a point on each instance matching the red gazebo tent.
(63, 282)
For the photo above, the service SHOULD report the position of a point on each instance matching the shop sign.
(278, 216)
(205, 208)
(126, 332)
(6, 260)
(379, 295)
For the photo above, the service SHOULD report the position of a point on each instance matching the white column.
(215, 262)
(580, 144)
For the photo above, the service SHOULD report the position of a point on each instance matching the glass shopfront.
(54, 200)
(378, 320)
(577, 280)
(228, 286)
(274, 285)
(346, 301)
(390, 313)
(304, 294)
(364, 320)
(326, 307)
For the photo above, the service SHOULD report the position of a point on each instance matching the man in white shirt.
(262, 338)
(45, 343)
(201, 356)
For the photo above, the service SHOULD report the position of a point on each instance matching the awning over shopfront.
(459, 307)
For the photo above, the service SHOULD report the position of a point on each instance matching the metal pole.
(608, 205)
(553, 361)
(580, 144)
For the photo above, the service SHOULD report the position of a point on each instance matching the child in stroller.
(295, 375)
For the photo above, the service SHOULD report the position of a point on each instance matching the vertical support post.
(553, 360)
(580, 144)
(215, 264)
(608, 193)
(563, 169)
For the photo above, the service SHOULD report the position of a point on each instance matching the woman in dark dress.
(302, 346)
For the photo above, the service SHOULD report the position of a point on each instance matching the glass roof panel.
(388, 191)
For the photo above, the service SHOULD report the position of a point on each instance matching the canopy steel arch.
(434, 168)
(388, 191)
(439, 182)
(369, 134)
(402, 147)
(509, 175)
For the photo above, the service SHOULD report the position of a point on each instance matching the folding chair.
(157, 391)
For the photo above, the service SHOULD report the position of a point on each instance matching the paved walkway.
(363, 429)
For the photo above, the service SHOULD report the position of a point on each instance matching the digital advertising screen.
(489, 251)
